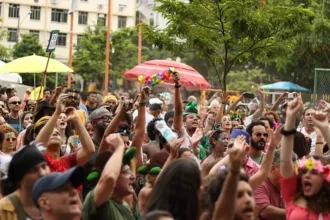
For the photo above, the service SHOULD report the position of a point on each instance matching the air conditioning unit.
(36, 1)
(121, 8)
(100, 6)
(55, 1)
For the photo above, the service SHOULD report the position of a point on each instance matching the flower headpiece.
(312, 164)
(157, 78)
(235, 116)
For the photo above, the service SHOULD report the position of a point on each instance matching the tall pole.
(107, 51)
(140, 43)
(70, 48)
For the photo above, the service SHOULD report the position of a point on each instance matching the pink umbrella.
(189, 77)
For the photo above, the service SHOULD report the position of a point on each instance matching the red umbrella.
(189, 77)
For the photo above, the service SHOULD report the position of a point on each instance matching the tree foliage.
(89, 58)
(27, 46)
(245, 80)
(229, 32)
(5, 52)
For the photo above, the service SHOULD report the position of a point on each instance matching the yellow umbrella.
(34, 64)
(35, 93)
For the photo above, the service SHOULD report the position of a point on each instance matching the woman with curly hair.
(306, 192)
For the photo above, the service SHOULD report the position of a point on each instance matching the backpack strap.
(18, 206)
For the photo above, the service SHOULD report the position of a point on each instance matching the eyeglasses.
(15, 103)
(12, 139)
(265, 135)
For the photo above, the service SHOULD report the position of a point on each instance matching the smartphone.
(248, 95)
(75, 140)
(291, 95)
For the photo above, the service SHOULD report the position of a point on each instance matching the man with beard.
(47, 95)
(92, 102)
(258, 139)
(26, 167)
(100, 119)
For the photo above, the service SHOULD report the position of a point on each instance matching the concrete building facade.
(40, 17)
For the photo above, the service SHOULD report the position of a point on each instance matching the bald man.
(13, 119)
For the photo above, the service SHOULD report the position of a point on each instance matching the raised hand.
(235, 157)
(320, 120)
(239, 142)
(275, 136)
(197, 136)
(145, 92)
(324, 106)
(71, 114)
(176, 78)
(294, 107)
(61, 103)
(175, 146)
(115, 141)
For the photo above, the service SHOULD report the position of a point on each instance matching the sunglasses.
(265, 135)
(31, 118)
(12, 139)
(15, 103)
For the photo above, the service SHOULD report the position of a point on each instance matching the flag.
(74, 6)
(102, 2)
(143, 10)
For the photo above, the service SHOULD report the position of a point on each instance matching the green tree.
(27, 46)
(229, 32)
(247, 80)
(5, 52)
(89, 58)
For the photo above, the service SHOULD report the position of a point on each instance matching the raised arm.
(278, 102)
(105, 186)
(224, 100)
(178, 107)
(47, 131)
(286, 165)
(112, 127)
(233, 106)
(266, 165)
(225, 205)
(140, 126)
(321, 122)
(54, 97)
(87, 150)
(259, 111)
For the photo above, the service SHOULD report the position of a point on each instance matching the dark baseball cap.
(56, 180)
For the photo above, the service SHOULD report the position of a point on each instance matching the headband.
(312, 164)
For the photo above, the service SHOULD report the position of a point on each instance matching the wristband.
(177, 86)
(319, 143)
(288, 133)
(142, 104)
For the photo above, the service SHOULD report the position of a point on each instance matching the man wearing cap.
(13, 118)
(115, 183)
(26, 167)
(56, 195)
(100, 119)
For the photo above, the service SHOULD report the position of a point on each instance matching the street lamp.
(19, 23)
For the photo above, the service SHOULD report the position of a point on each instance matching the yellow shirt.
(7, 209)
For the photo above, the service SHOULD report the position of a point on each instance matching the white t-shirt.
(312, 136)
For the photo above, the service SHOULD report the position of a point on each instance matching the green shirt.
(110, 210)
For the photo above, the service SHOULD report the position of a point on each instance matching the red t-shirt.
(63, 164)
(265, 195)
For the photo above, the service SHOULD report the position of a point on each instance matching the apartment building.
(40, 17)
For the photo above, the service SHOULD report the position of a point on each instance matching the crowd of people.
(154, 157)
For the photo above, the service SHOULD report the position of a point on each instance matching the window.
(84, 0)
(79, 37)
(61, 40)
(35, 13)
(13, 10)
(34, 33)
(101, 19)
(122, 21)
(83, 16)
(12, 34)
(0, 7)
(59, 15)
